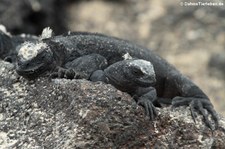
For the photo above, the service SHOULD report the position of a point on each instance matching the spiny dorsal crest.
(46, 33)
(127, 56)
(3, 29)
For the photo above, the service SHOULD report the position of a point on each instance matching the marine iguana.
(62, 54)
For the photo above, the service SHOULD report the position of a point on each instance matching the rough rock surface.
(62, 113)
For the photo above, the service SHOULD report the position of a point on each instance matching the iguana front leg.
(80, 68)
(191, 95)
(147, 98)
(60, 72)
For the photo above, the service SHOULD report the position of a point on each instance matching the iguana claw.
(150, 109)
(200, 105)
(64, 73)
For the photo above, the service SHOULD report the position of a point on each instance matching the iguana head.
(34, 59)
(131, 73)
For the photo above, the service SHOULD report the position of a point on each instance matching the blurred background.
(190, 37)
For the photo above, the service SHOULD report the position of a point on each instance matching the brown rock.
(62, 113)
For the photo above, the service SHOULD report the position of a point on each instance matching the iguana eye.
(137, 72)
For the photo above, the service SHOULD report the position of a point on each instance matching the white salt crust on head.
(30, 50)
(145, 66)
(127, 56)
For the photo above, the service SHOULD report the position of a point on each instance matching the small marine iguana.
(147, 76)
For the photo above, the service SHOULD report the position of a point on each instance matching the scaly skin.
(170, 83)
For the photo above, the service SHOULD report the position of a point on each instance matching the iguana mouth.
(144, 83)
(149, 80)
(31, 72)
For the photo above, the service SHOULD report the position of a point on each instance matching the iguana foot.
(150, 109)
(200, 105)
(64, 73)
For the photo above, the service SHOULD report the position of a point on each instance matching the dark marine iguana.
(147, 76)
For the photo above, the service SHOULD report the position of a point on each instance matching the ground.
(82, 114)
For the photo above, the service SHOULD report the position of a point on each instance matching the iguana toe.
(150, 109)
(200, 105)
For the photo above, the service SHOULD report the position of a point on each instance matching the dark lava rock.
(63, 113)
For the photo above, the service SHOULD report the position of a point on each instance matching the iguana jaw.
(145, 81)
(31, 72)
